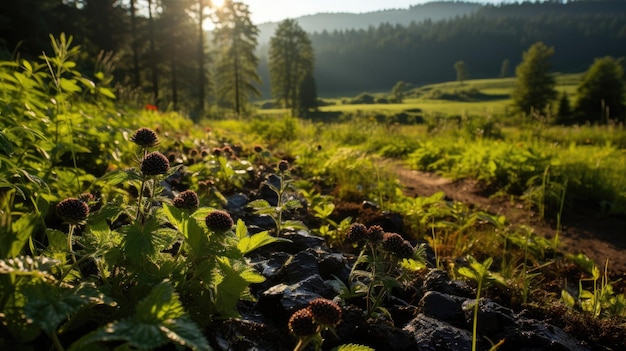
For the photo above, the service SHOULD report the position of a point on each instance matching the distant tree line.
(490, 43)
(162, 54)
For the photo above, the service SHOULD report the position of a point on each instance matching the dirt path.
(598, 238)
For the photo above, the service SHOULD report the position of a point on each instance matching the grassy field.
(487, 97)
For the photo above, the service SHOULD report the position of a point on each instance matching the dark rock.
(239, 334)
(448, 308)
(300, 241)
(439, 280)
(299, 267)
(332, 265)
(380, 334)
(492, 317)
(236, 204)
(430, 334)
(284, 299)
(530, 334)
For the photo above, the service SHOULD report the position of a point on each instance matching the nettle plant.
(136, 272)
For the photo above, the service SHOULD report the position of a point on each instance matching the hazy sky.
(277, 10)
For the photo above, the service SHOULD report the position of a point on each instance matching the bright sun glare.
(217, 3)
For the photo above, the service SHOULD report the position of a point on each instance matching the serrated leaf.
(235, 281)
(48, 305)
(27, 265)
(159, 318)
(139, 240)
(294, 225)
(185, 332)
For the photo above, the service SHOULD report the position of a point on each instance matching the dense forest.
(351, 61)
(159, 45)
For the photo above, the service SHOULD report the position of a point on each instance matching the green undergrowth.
(96, 253)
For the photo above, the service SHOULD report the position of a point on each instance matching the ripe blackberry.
(145, 137)
(325, 312)
(155, 163)
(187, 200)
(301, 323)
(219, 221)
(283, 165)
(72, 210)
(395, 244)
(375, 233)
(357, 232)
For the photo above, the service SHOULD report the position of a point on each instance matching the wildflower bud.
(155, 163)
(187, 200)
(395, 244)
(283, 165)
(72, 210)
(145, 137)
(325, 312)
(219, 221)
(301, 323)
(375, 233)
(357, 232)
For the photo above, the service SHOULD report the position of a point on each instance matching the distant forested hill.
(330, 22)
(376, 57)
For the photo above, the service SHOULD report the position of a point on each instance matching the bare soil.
(600, 237)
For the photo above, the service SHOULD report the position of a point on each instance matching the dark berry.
(301, 323)
(325, 312)
(219, 221)
(155, 163)
(357, 232)
(187, 200)
(258, 148)
(145, 137)
(72, 210)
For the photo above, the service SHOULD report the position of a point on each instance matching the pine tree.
(236, 39)
(291, 67)
(535, 88)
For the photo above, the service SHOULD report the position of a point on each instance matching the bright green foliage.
(535, 83)
(602, 91)
(291, 66)
(236, 39)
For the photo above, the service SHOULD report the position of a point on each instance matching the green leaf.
(48, 305)
(139, 240)
(69, 85)
(6, 146)
(249, 243)
(236, 279)
(158, 318)
(27, 265)
(567, 298)
(259, 204)
(21, 230)
(468, 273)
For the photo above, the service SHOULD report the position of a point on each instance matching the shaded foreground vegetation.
(136, 229)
